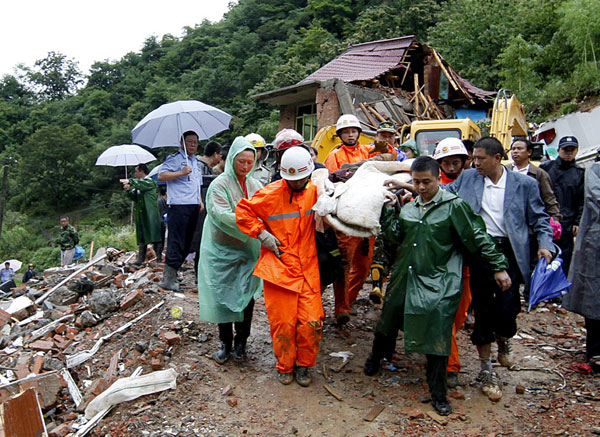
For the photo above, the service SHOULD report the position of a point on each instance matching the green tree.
(51, 166)
(471, 33)
(580, 21)
(54, 77)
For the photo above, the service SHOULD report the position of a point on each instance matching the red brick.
(98, 386)
(4, 317)
(38, 362)
(172, 338)
(60, 329)
(156, 364)
(71, 333)
(60, 431)
(157, 351)
(41, 345)
(131, 298)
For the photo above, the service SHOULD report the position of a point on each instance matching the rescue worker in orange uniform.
(280, 215)
(356, 252)
(451, 154)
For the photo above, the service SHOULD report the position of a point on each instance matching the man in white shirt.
(509, 204)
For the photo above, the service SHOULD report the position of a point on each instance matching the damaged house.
(398, 79)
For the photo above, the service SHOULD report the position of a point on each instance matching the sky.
(89, 31)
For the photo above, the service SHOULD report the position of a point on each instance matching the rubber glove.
(269, 241)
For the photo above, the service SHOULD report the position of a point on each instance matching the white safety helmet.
(287, 138)
(296, 163)
(347, 120)
(450, 147)
(256, 140)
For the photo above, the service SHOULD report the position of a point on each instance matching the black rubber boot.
(223, 354)
(372, 365)
(239, 351)
(169, 281)
(142, 248)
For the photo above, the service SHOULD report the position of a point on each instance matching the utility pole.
(7, 162)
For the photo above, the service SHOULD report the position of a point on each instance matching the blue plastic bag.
(547, 281)
(79, 251)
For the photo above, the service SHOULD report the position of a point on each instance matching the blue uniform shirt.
(6, 274)
(184, 190)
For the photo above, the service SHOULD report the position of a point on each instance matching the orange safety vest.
(289, 217)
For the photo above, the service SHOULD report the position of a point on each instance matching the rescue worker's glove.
(269, 241)
(380, 146)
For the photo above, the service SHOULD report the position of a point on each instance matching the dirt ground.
(247, 399)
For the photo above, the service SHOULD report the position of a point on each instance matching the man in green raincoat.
(226, 285)
(147, 218)
(431, 235)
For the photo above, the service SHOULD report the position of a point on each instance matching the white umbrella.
(15, 264)
(164, 126)
(124, 155)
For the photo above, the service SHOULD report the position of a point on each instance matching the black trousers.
(566, 243)
(495, 310)
(436, 376)
(383, 347)
(592, 338)
(242, 329)
(182, 224)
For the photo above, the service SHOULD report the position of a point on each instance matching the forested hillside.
(55, 121)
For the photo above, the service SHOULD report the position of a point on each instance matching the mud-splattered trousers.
(291, 280)
(296, 326)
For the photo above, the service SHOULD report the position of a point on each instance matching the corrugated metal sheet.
(364, 61)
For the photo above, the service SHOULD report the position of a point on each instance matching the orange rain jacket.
(288, 216)
(463, 306)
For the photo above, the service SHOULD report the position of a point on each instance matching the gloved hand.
(269, 241)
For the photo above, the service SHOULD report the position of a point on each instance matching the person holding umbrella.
(226, 286)
(142, 191)
(181, 171)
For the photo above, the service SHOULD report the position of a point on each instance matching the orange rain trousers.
(459, 321)
(296, 325)
(357, 269)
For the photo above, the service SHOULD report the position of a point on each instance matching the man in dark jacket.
(68, 238)
(567, 182)
(510, 204)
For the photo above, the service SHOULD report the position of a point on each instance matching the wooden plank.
(376, 114)
(332, 393)
(22, 416)
(416, 102)
(373, 413)
(448, 75)
(364, 110)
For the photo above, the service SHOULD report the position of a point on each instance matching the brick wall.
(328, 108)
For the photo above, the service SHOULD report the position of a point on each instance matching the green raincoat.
(426, 283)
(227, 255)
(143, 193)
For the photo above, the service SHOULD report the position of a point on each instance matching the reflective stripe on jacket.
(288, 216)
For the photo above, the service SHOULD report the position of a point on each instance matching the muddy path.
(247, 399)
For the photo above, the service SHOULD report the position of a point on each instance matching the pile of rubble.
(52, 328)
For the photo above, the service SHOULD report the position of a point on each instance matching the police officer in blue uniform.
(184, 181)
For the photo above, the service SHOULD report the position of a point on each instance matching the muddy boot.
(239, 350)
(223, 354)
(303, 376)
(169, 281)
(376, 295)
(142, 248)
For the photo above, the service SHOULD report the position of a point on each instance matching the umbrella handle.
(182, 140)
